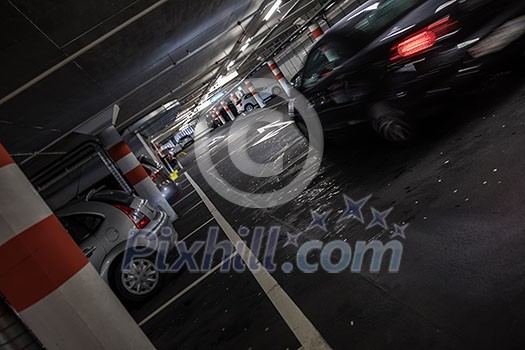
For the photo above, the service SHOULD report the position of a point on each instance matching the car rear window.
(381, 15)
(113, 197)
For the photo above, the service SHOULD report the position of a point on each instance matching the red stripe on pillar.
(317, 33)
(273, 66)
(119, 151)
(5, 158)
(279, 76)
(249, 85)
(254, 93)
(37, 261)
(136, 175)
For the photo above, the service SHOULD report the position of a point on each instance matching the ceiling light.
(274, 8)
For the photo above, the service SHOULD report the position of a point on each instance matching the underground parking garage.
(269, 174)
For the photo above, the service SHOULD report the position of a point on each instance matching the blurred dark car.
(161, 177)
(186, 141)
(389, 59)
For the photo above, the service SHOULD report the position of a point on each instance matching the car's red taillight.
(422, 40)
(155, 175)
(139, 219)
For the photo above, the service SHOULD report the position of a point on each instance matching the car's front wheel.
(248, 107)
(277, 90)
(139, 281)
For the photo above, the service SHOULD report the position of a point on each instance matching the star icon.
(292, 240)
(399, 231)
(319, 220)
(379, 218)
(354, 209)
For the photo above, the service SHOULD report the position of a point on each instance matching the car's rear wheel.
(277, 90)
(140, 281)
(389, 124)
(248, 107)
(393, 129)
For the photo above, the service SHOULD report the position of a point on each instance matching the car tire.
(389, 124)
(393, 129)
(277, 90)
(143, 270)
(248, 108)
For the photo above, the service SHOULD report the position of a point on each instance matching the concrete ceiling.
(172, 52)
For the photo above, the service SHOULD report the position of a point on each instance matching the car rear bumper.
(459, 73)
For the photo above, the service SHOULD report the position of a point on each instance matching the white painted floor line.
(197, 229)
(183, 198)
(188, 186)
(192, 208)
(184, 291)
(299, 324)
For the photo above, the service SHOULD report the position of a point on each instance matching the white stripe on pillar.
(69, 317)
(18, 197)
(128, 163)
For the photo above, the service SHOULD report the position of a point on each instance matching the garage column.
(316, 30)
(228, 111)
(47, 279)
(234, 99)
(219, 115)
(255, 94)
(279, 76)
(128, 163)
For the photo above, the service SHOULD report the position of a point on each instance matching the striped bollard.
(47, 279)
(235, 101)
(316, 30)
(219, 115)
(228, 111)
(279, 76)
(133, 171)
(255, 94)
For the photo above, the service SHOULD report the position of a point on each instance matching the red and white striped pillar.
(235, 100)
(133, 171)
(316, 30)
(47, 279)
(219, 115)
(228, 111)
(255, 94)
(279, 76)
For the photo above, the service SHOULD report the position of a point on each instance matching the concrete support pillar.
(219, 115)
(235, 99)
(316, 30)
(255, 94)
(227, 109)
(47, 279)
(279, 76)
(128, 163)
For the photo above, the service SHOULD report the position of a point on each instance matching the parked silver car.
(101, 226)
(248, 102)
(161, 177)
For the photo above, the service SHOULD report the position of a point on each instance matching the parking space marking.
(197, 229)
(192, 208)
(184, 291)
(188, 186)
(299, 324)
(183, 198)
